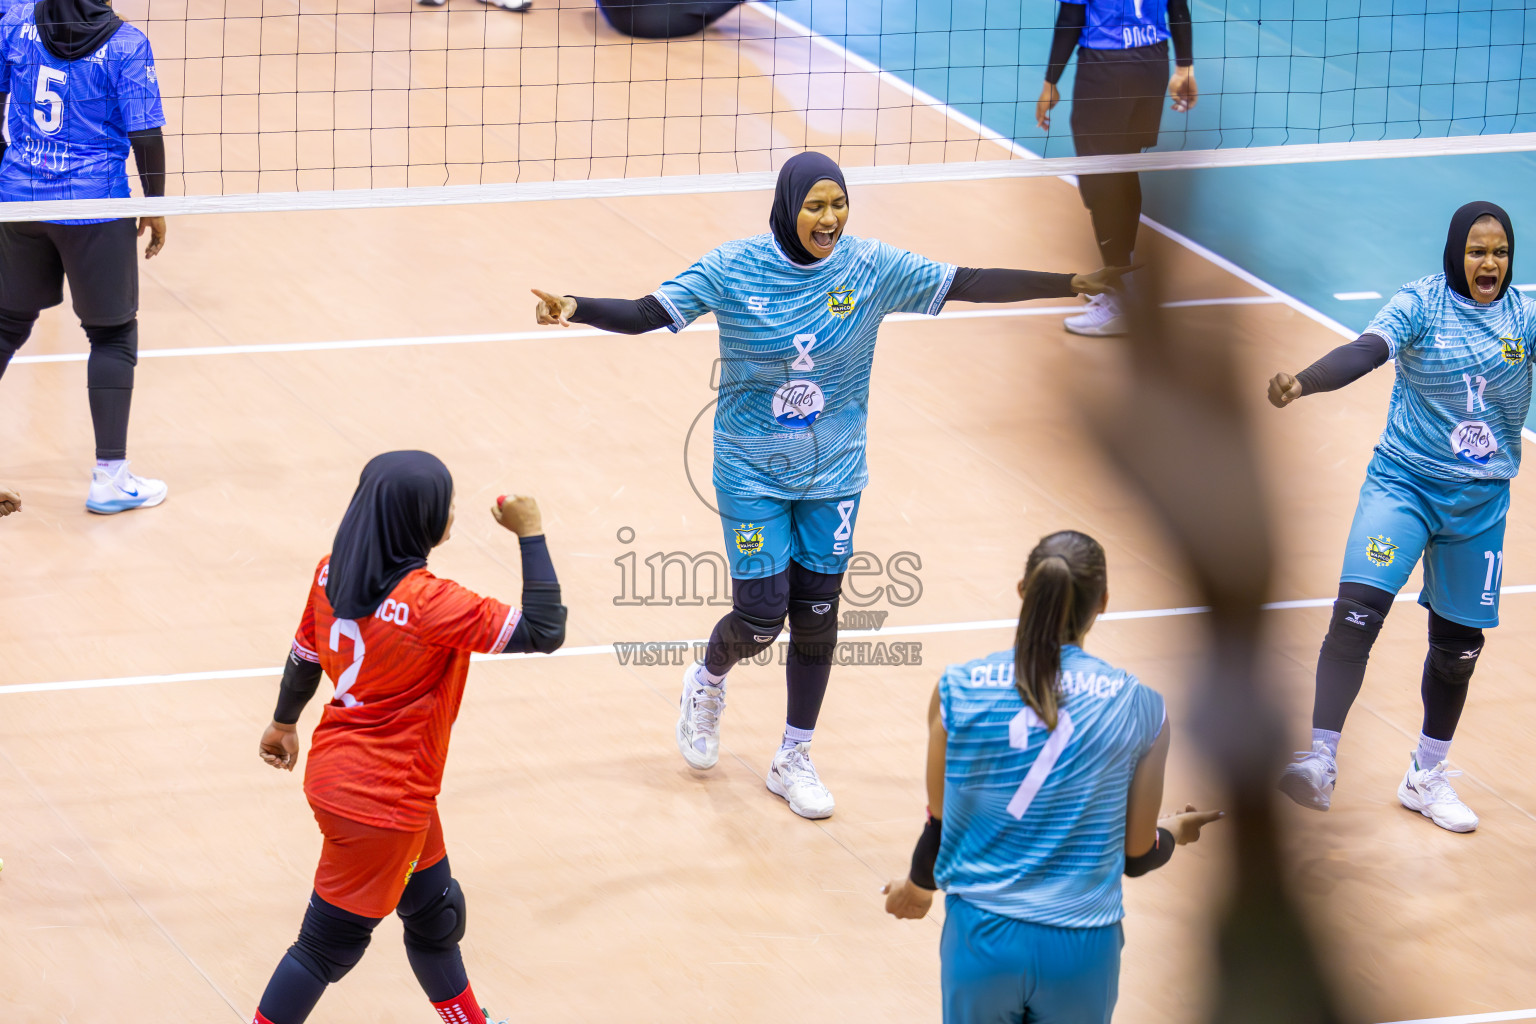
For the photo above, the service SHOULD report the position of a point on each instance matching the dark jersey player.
(1117, 107)
(395, 641)
(83, 90)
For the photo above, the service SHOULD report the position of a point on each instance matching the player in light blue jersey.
(82, 90)
(1437, 488)
(1045, 772)
(799, 309)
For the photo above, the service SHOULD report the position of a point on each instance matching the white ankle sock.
(112, 466)
(793, 736)
(1431, 752)
(1329, 738)
(708, 677)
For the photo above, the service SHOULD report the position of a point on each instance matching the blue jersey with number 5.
(69, 119)
(1034, 821)
(796, 346)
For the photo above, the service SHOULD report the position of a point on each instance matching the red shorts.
(363, 869)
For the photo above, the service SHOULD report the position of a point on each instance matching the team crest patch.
(1380, 550)
(840, 302)
(1513, 350)
(749, 538)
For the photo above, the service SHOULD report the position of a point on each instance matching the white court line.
(1354, 296)
(1474, 1018)
(554, 334)
(611, 649)
(1526, 287)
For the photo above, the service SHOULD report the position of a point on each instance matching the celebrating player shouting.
(1437, 487)
(395, 640)
(798, 309)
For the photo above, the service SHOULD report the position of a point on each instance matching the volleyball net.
(300, 104)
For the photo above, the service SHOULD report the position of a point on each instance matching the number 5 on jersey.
(52, 120)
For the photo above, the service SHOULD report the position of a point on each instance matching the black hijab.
(399, 510)
(1456, 247)
(72, 29)
(797, 177)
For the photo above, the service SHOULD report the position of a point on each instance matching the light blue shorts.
(998, 970)
(1457, 528)
(763, 534)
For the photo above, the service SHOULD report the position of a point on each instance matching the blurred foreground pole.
(1174, 424)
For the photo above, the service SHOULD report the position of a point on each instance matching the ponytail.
(1063, 587)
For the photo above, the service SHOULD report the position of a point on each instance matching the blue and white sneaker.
(112, 494)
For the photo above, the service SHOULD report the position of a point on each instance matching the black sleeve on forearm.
(1182, 33)
(621, 316)
(1070, 21)
(925, 853)
(300, 680)
(149, 154)
(537, 567)
(1000, 285)
(1344, 365)
(1161, 852)
(542, 626)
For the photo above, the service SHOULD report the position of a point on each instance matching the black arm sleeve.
(925, 853)
(542, 626)
(149, 154)
(300, 680)
(1160, 854)
(1344, 365)
(621, 316)
(1070, 21)
(999, 285)
(1182, 33)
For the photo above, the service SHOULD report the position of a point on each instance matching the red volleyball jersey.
(377, 755)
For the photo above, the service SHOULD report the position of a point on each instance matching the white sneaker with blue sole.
(111, 494)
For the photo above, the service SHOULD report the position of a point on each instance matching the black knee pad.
(1453, 650)
(114, 354)
(331, 941)
(438, 924)
(1352, 632)
(813, 626)
(15, 328)
(757, 615)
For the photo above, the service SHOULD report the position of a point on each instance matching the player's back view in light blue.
(1437, 488)
(799, 309)
(1045, 771)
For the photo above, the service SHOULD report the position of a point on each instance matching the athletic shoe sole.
(1300, 789)
(1113, 329)
(777, 789)
(112, 508)
(1409, 799)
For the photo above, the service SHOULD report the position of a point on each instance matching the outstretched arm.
(996, 284)
(1344, 365)
(621, 316)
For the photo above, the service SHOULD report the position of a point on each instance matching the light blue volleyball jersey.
(796, 346)
(1463, 384)
(1034, 821)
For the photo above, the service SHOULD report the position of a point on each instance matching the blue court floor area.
(1271, 72)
